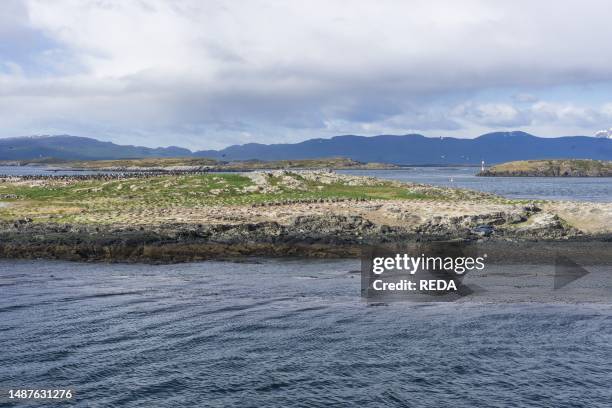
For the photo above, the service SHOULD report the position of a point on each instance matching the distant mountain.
(417, 149)
(78, 148)
(408, 149)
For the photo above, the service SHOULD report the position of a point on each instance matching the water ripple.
(257, 335)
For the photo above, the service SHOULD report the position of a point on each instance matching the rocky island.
(550, 168)
(191, 164)
(171, 218)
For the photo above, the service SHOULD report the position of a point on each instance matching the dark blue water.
(286, 333)
(547, 188)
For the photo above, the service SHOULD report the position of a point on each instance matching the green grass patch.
(100, 200)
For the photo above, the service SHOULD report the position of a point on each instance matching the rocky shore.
(327, 220)
(550, 168)
(319, 237)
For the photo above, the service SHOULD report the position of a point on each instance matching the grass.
(101, 201)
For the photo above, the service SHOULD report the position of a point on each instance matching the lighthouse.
(482, 165)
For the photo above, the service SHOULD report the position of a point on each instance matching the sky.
(208, 74)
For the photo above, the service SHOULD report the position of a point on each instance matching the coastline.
(306, 237)
(550, 168)
(175, 244)
(312, 214)
(196, 165)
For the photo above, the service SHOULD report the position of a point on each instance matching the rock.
(251, 189)
(483, 230)
(516, 218)
(551, 168)
(532, 208)
(546, 225)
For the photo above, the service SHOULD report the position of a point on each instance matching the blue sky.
(207, 74)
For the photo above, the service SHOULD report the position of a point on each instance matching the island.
(550, 168)
(191, 164)
(152, 217)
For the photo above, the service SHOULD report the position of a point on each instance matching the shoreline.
(188, 243)
(312, 214)
(561, 168)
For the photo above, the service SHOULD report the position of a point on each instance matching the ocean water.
(41, 170)
(548, 188)
(279, 333)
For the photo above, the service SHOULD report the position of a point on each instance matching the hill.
(417, 149)
(78, 148)
(551, 168)
(407, 149)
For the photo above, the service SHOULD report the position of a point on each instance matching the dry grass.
(131, 199)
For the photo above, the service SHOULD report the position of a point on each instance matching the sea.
(286, 333)
(42, 171)
(597, 189)
(296, 332)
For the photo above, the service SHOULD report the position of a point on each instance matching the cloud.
(570, 114)
(539, 113)
(492, 114)
(208, 74)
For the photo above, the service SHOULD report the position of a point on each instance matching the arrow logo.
(567, 271)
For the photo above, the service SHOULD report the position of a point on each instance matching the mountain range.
(405, 149)
(67, 147)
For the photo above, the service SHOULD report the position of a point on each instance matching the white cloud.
(213, 73)
(539, 113)
(567, 113)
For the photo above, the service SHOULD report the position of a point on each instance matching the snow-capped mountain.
(606, 133)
